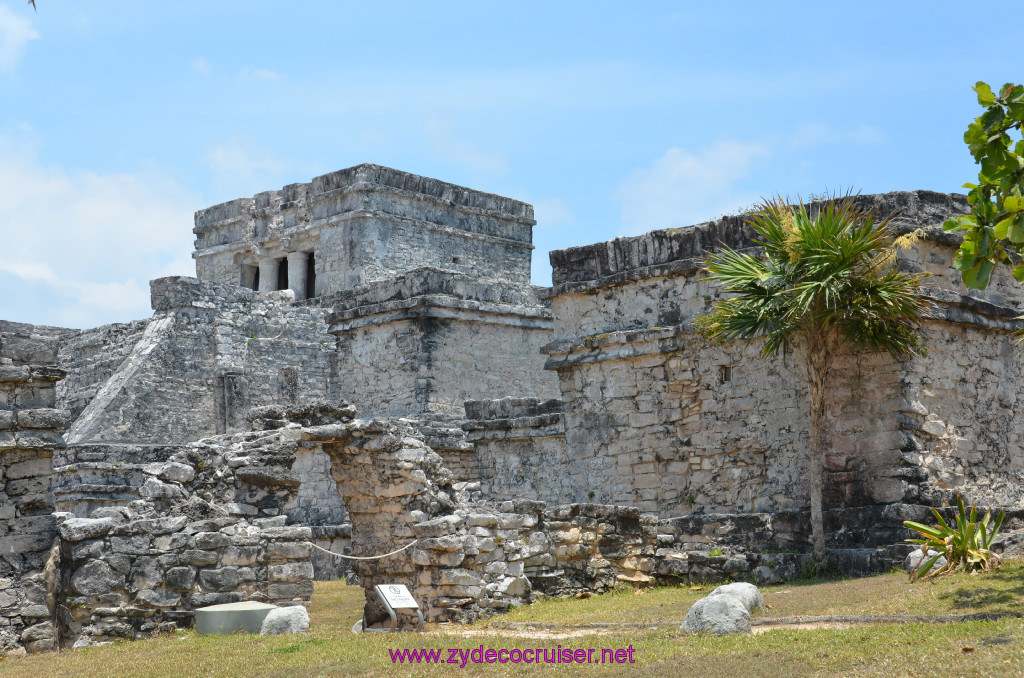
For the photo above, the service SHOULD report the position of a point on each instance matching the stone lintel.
(550, 426)
(513, 418)
(948, 307)
(440, 307)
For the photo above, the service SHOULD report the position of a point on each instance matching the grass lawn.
(962, 649)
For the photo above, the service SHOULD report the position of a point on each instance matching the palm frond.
(831, 266)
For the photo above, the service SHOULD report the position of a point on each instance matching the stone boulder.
(721, 615)
(915, 558)
(285, 620)
(79, 529)
(748, 594)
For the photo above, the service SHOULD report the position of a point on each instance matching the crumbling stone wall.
(959, 420)
(210, 528)
(90, 358)
(30, 431)
(472, 558)
(521, 451)
(210, 353)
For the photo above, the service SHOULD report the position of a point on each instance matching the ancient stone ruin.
(361, 365)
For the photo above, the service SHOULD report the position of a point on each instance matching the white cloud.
(200, 65)
(240, 167)
(448, 145)
(259, 75)
(91, 242)
(553, 212)
(814, 134)
(15, 33)
(685, 187)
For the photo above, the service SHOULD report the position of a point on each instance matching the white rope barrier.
(342, 555)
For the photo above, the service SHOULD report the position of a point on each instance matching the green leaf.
(985, 95)
(925, 567)
(959, 223)
(1016, 232)
(977, 276)
(1018, 273)
(1013, 203)
(1003, 227)
(932, 532)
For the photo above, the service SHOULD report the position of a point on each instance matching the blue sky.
(120, 119)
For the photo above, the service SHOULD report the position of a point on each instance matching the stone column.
(297, 273)
(268, 275)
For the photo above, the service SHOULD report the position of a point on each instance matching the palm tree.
(828, 280)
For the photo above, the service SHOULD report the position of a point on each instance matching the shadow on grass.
(1000, 591)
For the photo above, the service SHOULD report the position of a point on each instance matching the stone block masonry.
(637, 453)
(30, 431)
(666, 422)
(362, 224)
(91, 357)
(427, 341)
(210, 527)
(210, 353)
(521, 451)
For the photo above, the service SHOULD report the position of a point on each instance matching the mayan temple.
(361, 362)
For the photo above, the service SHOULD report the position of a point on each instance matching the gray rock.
(286, 620)
(119, 514)
(267, 476)
(914, 559)
(96, 578)
(155, 489)
(171, 471)
(748, 594)
(722, 614)
(79, 529)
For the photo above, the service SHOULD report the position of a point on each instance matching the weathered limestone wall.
(210, 353)
(210, 528)
(429, 340)
(91, 357)
(662, 420)
(521, 451)
(960, 421)
(317, 501)
(467, 559)
(30, 431)
(668, 423)
(363, 224)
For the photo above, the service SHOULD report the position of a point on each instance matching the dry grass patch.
(976, 648)
(1001, 591)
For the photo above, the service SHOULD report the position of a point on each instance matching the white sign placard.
(398, 596)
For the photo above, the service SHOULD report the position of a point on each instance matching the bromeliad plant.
(967, 546)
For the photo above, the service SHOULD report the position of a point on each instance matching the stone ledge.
(680, 250)
(442, 307)
(362, 179)
(428, 280)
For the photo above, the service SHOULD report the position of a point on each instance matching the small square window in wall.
(724, 374)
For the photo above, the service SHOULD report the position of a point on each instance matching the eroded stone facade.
(524, 440)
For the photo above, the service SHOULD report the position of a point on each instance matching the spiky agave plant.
(968, 546)
(827, 277)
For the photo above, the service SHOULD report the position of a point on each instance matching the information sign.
(398, 596)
